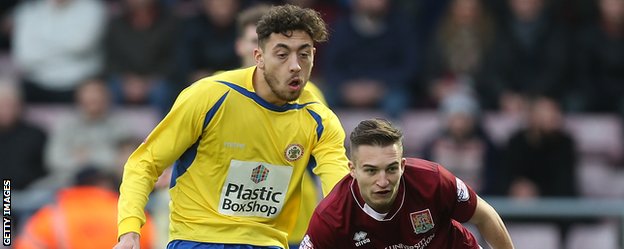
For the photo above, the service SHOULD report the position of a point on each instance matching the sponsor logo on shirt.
(259, 174)
(422, 221)
(360, 238)
(462, 190)
(424, 242)
(254, 189)
(293, 152)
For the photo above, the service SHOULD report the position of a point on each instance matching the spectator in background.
(208, 39)
(246, 36)
(459, 49)
(540, 160)
(427, 12)
(371, 59)
(90, 136)
(463, 146)
(139, 54)
(82, 216)
(600, 59)
(56, 46)
(529, 58)
(6, 24)
(21, 144)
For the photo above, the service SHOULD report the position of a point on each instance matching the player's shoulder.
(422, 173)
(220, 82)
(236, 77)
(422, 166)
(316, 91)
(313, 103)
(308, 97)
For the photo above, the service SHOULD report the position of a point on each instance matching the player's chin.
(380, 200)
(293, 95)
(379, 204)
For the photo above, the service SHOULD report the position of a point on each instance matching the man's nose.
(383, 181)
(294, 65)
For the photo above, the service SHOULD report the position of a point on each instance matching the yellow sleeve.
(176, 132)
(329, 153)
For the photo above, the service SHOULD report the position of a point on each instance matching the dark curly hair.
(287, 18)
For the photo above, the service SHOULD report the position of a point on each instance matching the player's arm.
(175, 134)
(491, 226)
(319, 235)
(329, 153)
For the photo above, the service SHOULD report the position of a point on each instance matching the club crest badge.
(293, 152)
(422, 221)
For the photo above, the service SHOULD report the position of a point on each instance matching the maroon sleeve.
(456, 195)
(319, 234)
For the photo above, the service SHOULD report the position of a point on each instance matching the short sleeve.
(457, 196)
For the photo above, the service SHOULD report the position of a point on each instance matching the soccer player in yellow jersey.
(246, 42)
(241, 141)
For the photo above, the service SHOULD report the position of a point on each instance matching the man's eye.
(281, 56)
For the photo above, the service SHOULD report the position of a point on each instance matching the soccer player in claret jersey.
(389, 201)
(242, 140)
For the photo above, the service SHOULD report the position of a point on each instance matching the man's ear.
(259, 56)
(352, 169)
(403, 162)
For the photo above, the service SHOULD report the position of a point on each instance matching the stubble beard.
(284, 95)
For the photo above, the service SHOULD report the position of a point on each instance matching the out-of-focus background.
(522, 99)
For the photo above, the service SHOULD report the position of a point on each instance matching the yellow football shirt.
(239, 162)
(309, 195)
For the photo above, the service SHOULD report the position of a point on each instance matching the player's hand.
(128, 241)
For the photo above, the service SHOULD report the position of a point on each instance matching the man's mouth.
(295, 83)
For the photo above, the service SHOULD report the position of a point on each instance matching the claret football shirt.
(427, 213)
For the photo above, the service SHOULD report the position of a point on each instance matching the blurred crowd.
(539, 60)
